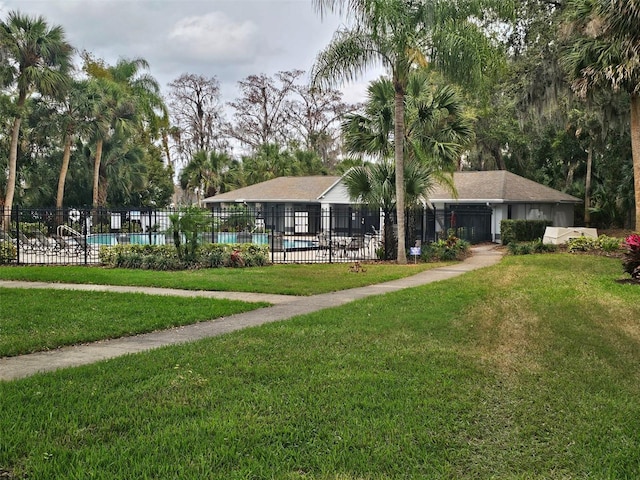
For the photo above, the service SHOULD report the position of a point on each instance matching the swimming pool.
(111, 239)
(288, 244)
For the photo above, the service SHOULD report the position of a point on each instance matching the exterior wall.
(500, 212)
(560, 214)
(563, 216)
(337, 195)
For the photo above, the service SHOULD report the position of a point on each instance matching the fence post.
(17, 233)
(273, 232)
(330, 234)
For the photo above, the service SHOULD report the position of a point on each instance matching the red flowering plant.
(631, 261)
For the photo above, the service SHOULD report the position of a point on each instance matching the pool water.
(110, 239)
(299, 244)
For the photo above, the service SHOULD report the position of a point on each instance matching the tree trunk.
(66, 156)
(96, 173)
(587, 186)
(5, 221)
(635, 149)
(399, 159)
(11, 179)
(500, 159)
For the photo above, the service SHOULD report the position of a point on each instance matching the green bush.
(528, 248)
(582, 244)
(609, 244)
(453, 248)
(8, 252)
(255, 255)
(588, 244)
(165, 257)
(522, 230)
(213, 255)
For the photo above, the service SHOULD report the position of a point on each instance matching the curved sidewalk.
(284, 307)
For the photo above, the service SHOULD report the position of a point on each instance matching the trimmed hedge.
(522, 230)
(165, 257)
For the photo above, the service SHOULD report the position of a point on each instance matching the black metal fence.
(298, 234)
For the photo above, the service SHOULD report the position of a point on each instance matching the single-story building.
(299, 205)
(486, 198)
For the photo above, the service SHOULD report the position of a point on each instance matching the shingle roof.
(281, 189)
(499, 186)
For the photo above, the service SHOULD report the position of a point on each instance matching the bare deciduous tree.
(314, 117)
(197, 114)
(260, 116)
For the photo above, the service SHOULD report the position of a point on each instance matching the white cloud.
(215, 37)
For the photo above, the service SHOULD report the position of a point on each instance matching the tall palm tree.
(113, 114)
(400, 34)
(604, 52)
(37, 60)
(129, 102)
(74, 110)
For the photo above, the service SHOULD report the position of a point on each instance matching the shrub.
(8, 252)
(453, 248)
(609, 244)
(213, 255)
(588, 244)
(255, 255)
(522, 230)
(631, 261)
(582, 244)
(186, 226)
(150, 257)
(165, 257)
(527, 248)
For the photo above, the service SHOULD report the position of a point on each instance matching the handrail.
(67, 228)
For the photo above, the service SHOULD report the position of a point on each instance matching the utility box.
(561, 235)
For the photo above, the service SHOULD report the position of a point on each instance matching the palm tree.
(113, 115)
(73, 112)
(374, 184)
(129, 103)
(400, 34)
(205, 173)
(602, 52)
(37, 60)
(437, 128)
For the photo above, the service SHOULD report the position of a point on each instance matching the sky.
(228, 39)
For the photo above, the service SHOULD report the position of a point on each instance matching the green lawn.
(290, 279)
(41, 319)
(525, 370)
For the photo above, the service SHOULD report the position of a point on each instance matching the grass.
(525, 370)
(36, 320)
(290, 279)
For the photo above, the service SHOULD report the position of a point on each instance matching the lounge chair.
(46, 244)
(30, 245)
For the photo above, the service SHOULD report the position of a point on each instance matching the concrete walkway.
(284, 307)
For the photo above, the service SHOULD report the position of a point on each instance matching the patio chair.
(323, 245)
(356, 246)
